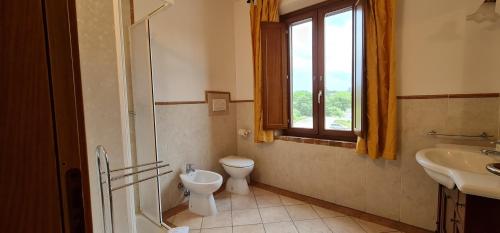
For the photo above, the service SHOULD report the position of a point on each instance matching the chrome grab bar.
(483, 135)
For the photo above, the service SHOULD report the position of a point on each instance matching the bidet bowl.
(201, 185)
(201, 181)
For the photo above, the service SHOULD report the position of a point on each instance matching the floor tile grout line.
(201, 225)
(316, 211)
(283, 205)
(291, 218)
(359, 224)
(261, 219)
(327, 226)
(260, 216)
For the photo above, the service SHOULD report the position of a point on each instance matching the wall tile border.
(452, 96)
(202, 101)
(439, 96)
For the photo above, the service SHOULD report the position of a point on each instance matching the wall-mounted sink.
(462, 166)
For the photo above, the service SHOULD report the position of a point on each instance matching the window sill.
(324, 142)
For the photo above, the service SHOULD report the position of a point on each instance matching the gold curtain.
(380, 138)
(260, 11)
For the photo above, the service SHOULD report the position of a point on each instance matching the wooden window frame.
(317, 13)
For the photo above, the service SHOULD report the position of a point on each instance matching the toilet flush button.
(218, 105)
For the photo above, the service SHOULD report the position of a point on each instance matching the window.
(325, 58)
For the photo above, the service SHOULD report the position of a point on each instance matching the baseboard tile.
(314, 201)
(345, 210)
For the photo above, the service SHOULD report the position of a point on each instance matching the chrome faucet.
(495, 151)
(189, 168)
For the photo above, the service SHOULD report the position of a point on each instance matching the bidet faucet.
(496, 151)
(189, 168)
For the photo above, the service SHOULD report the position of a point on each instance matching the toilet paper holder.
(244, 132)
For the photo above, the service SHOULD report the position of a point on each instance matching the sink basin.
(462, 167)
(456, 159)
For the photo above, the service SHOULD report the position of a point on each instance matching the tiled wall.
(187, 134)
(398, 190)
(101, 99)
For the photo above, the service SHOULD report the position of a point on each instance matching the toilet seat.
(237, 162)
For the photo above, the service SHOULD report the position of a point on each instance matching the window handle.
(320, 93)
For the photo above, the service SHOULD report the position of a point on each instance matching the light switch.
(218, 105)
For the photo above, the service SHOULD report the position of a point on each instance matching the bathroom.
(171, 84)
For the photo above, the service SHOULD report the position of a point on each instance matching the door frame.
(63, 53)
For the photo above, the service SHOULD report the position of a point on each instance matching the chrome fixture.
(138, 166)
(137, 172)
(490, 152)
(483, 135)
(486, 12)
(183, 189)
(189, 168)
(104, 174)
(495, 151)
(494, 168)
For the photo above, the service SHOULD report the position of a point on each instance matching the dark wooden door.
(43, 171)
(28, 159)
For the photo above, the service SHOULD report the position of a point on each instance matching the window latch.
(320, 93)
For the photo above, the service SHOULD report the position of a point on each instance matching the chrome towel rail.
(137, 172)
(105, 179)
(483, 135)
(137, 166)
(141, 180)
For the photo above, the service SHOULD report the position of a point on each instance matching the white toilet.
(238, 168)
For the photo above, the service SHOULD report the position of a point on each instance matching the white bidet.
(201, 185)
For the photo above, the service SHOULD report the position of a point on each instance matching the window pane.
(338, 71)
(301, 74)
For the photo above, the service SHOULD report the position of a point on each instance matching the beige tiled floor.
(266, 212)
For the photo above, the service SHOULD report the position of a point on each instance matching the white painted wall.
(440, 52)
(243, 51)
(287, 6)
(243, 43)
(193, 49)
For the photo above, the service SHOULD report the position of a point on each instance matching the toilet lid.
(235, 161)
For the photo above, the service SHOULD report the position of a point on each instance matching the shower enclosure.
(142, 116)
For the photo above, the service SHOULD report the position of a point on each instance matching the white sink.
(462, 166)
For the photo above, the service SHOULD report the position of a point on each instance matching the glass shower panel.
(144, 119)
